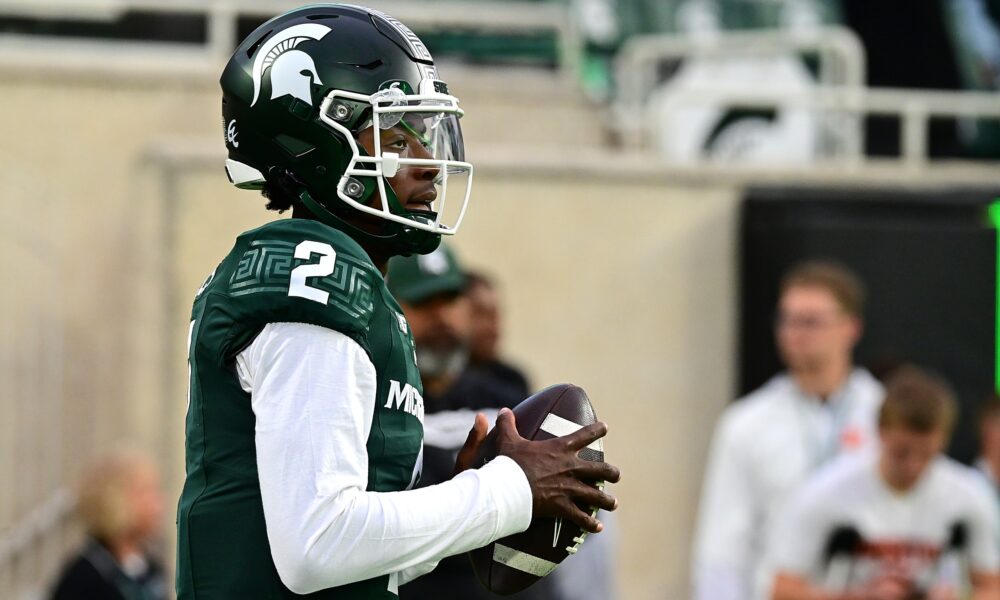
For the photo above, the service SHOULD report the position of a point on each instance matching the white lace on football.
(583, 534)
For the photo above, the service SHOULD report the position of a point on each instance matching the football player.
(304, 424)
(901, 523)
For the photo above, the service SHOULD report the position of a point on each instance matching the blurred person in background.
(766, 444)
(902, 523)
(988, 462)
(486, 327)
(121, 506)
(438, 304)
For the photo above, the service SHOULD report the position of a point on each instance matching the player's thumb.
(507, 426)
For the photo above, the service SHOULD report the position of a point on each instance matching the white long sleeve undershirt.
(313, 395)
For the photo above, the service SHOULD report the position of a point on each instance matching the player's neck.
(379, 258)
(824, 380)
(378, 255)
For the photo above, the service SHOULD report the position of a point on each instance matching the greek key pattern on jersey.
(267, 265)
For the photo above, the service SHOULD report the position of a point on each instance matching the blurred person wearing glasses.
(766, 444)
(121, 505)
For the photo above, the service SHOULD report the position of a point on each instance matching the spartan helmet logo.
(292, 71)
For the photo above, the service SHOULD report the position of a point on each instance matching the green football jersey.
(300, 271)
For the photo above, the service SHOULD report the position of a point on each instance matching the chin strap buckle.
(354, 188)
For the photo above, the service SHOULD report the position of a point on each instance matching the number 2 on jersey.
(297, 286)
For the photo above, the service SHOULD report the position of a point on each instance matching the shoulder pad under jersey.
(302, 271)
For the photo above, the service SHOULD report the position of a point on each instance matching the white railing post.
(840, 54)
(913, 132)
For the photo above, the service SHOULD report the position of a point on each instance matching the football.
(513, 563)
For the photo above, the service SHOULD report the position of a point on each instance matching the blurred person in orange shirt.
(121, 505)
(903, 523)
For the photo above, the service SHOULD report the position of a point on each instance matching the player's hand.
(467, 455)
(560, 480)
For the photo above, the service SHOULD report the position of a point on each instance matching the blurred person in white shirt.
(904, 523)
(766, 444)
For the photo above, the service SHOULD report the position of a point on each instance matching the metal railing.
(914, 108)
(222, 17)
(33, 500)
(839, 53)
(31, 549)
(839, 94)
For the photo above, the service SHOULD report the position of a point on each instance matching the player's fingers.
(591, 496)
(479, 428)
(586, 522)
(597, 471)
(584, 436)
(467, 455)
(507, 426)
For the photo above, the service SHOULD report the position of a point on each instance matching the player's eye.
(396, 143)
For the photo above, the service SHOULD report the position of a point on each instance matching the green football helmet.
(300, 91)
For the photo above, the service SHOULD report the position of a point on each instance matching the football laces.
(578, 540)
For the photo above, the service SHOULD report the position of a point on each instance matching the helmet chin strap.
(400, 240)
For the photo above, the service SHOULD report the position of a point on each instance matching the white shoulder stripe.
(515, 559)
(558, 426)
